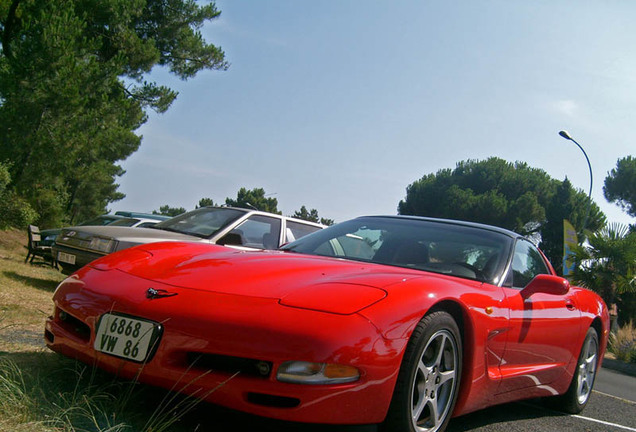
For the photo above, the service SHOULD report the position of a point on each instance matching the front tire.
(429, 378)
(578, 394)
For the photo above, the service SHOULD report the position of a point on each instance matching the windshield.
(203, 222)
(440, 247)
(100, 220)
(125, 222)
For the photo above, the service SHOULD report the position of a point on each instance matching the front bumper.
(229, 333)
(80, 257)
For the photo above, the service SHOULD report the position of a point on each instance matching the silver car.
(229, 226)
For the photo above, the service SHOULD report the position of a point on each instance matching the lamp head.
(566, 135)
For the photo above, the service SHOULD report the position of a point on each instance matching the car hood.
(296, 280)
(123, 234)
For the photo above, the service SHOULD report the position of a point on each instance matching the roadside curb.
(619, 366)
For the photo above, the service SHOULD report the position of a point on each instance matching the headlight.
(302, 372)
(102, 244)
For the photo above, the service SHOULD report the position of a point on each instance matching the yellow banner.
(570, 240)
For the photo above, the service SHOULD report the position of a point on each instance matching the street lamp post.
(567, 136)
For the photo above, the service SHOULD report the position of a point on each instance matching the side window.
(259, 232)
(296, 230)
(526, 264)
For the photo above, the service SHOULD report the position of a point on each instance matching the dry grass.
(623, 343)
(41, 391)
(25, 295)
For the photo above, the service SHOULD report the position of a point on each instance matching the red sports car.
(397, 320)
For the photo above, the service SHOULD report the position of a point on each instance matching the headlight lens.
(102, 244)
(302, 372)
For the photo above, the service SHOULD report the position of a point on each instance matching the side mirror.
(547, 284)
(230, 239)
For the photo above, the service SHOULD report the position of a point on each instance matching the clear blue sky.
(339, 105)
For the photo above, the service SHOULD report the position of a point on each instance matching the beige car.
(229, 226)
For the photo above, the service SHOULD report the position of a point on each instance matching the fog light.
(301, 372)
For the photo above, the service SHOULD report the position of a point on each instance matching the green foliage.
(620, 185)
(73, 91)
(205, 202)
(608, 265)
(326, 221)
(311, 216)
(166, 210)
(500, 193)
(14, 210)
(254, 199)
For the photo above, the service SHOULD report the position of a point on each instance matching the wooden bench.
(36, 249)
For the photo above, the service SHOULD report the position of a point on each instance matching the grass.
(44, 391)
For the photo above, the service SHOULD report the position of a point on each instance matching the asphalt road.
(616, 384)
(612, 408)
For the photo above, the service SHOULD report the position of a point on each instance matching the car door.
(543, 328)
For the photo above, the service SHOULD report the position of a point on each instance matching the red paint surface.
(278, 307)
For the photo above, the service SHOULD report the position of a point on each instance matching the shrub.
(623, 343)
(14, 210)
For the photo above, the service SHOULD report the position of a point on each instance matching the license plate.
(66, 258)
(126, 337)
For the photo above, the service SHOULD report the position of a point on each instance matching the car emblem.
(153, 293)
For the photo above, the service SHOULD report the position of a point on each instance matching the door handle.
(570, 305)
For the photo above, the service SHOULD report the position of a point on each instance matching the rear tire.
(578, 394)
(429, 377)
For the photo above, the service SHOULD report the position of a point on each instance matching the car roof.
(140, 215)
(264, 213)
(133, 221)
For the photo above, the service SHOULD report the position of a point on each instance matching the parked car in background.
(136, 222)
(100, 220)
(140, 215)
(403, 320)
(229, 226)
(120, 218)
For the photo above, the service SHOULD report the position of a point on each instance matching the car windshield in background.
(204, 222)
(125, 222)
(101, 220)
(442, 247)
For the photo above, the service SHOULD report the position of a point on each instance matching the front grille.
(272, 400)
(229, 364)
(74, 325)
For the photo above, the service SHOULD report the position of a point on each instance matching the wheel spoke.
(419, 407)
(582, 380)
(434, 420)
(423, 369)
(440, 351)
(590, 362)
(446, 376)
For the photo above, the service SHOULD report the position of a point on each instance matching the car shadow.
(501, 414)
(37, 283)
(211, 417)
